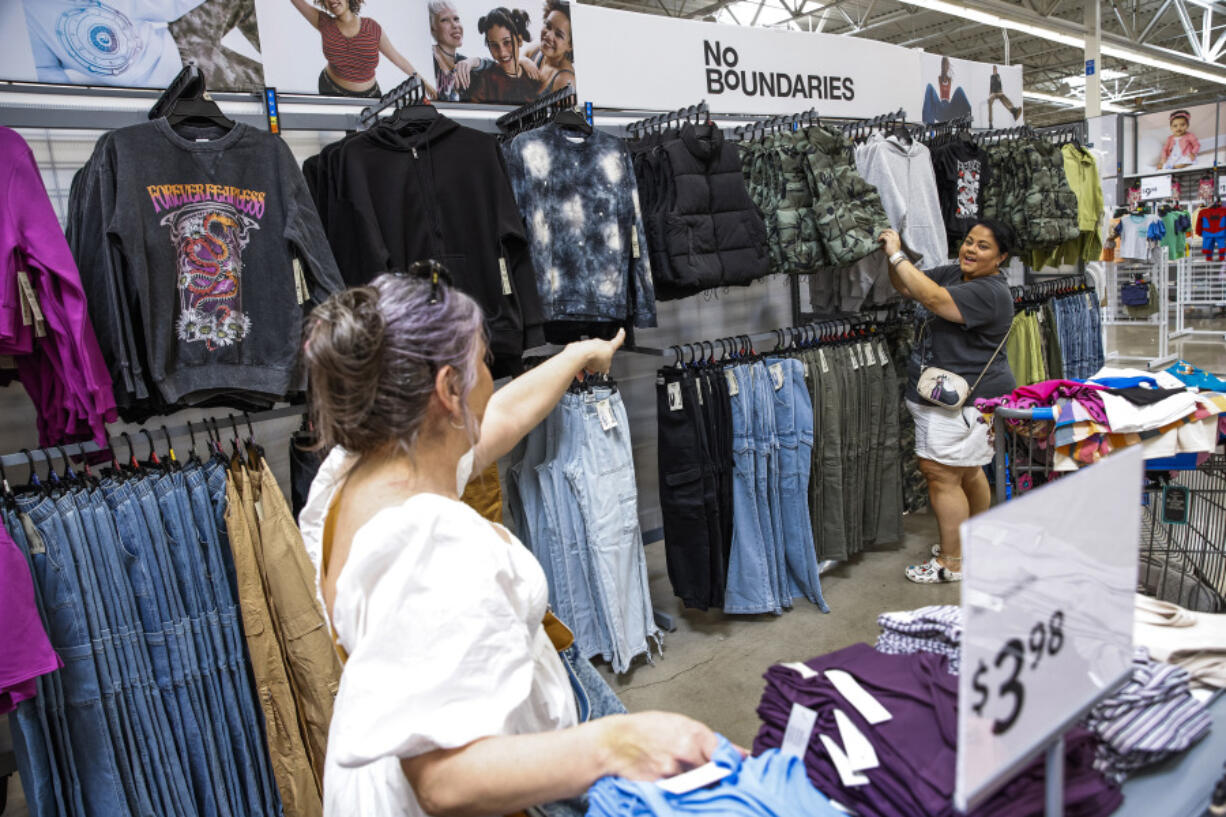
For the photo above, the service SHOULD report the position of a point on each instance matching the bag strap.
(992, 358)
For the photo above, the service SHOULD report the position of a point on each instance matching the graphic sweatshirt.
(192, 282)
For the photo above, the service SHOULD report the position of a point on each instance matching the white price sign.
(1221, 186)
(1156, 187)
(1047, 605)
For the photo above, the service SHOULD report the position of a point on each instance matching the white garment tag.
(821, 357)
(855, 358)
(698, 390)
(300, 284)
(694, 779)
(800, 727)
(506, 278)
(870, 359)
(776, 370)
(842, 765)
(805, 672)
(259, 510)
(31, 312)
(883, 353)
(674, 396)
(733, 388)
(839, 806)
(33, 537)
(634, 242)
(605, 412)
(859, 750)
(868, 706)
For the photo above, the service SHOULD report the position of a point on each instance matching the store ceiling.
(1187, 34)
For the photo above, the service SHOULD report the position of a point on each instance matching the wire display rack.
(1138, 335)
(1183, 558)
(1200, 297)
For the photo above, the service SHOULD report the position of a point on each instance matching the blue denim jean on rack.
(45, 760)
(524, 499)
(794, 431)
(573, 598)
(187, 562)
(155, 753)
(600, 471)
(181, 670)
(750, 583)
(86, 714)
(766, 454)
(261, 790)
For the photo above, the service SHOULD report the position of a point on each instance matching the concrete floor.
(712, 665)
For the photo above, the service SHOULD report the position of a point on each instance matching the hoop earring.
(459, 427)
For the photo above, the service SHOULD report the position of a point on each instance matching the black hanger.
(187, 101)
(239, 453)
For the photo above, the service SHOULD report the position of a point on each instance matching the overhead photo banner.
(990, 94)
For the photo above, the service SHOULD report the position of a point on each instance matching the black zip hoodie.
(398, 196)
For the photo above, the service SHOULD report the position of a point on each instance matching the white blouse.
(441, 618)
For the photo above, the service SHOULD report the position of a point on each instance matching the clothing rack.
(1074, 133)
(24, 457)
(858, 130)
(816, 332)
(776, 124)
(942, 131)
(1036, 293)
(655, 124)
(1005, 134)
(538, 111)
(184, 84)
(410, 92)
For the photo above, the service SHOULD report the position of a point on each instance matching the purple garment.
(81, 400)
(27, 651)
(917, 748)
(1046, 394)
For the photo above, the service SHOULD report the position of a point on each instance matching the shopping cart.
(1183, 503)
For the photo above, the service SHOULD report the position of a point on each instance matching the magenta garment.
(64, 372)
(917, 748)
(27, 651)
(1046, 393)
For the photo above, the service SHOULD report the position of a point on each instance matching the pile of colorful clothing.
(1176, 411)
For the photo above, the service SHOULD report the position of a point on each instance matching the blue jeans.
(794, 432)
(572, 595)
(246, 719)
(750, 586)
(45, 759)
(88, 717)
(600, 470)
(939, 110)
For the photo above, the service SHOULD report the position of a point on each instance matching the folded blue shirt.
(1197, 378)
(769, 785)
(1125, 382)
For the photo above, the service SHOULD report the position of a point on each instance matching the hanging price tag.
(31, 312)
(883, 354)
(1047, 607)
(634, 242)
(776, 370)
(300, 284)
(733, 388)
(506, 278)
(604, 411)
(821, 358)
(799, 728)
(674, 396)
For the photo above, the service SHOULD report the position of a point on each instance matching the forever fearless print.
(170, 196)
(723, 75)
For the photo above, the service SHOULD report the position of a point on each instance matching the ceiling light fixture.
(994, 20)
(1071, 102)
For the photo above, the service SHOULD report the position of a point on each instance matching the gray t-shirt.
(987, 308)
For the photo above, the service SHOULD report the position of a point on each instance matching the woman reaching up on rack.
(962, 328)
(554, 56)
(454, 697)
(351, 45)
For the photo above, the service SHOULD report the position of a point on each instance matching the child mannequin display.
(1181, 146)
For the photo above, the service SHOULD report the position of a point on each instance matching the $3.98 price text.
(1014, 662)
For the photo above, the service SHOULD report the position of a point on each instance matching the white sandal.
(932, 572)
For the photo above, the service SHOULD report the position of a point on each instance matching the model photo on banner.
(513, 54)
(132, 43)
(990, 94)
(1182, 139)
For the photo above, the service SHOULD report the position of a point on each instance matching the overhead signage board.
(1047, 605)
(740, 69)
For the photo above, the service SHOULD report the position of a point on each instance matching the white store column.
(1093, 56)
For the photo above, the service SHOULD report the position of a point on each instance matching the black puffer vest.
(713, 233)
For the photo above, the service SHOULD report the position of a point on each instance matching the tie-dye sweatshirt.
(580, 203)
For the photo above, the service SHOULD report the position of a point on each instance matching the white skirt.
(955, 438)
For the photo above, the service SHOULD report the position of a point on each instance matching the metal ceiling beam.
(1153, 21)
(1189, 32)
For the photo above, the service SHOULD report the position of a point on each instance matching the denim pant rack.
(154, 711)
